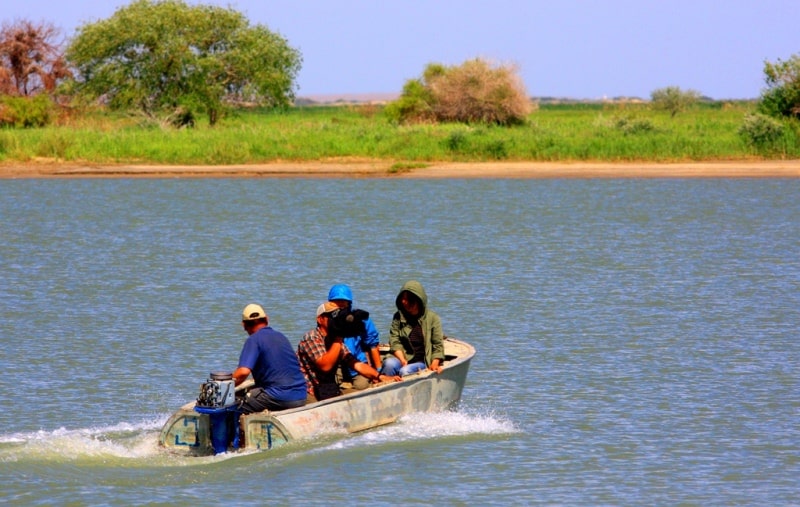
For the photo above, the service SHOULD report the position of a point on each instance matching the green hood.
(415, 288)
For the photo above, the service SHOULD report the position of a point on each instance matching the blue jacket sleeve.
(372, 337)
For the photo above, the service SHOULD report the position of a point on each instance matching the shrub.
(54, 145)
(497, 149)
(414, 104)
(477, 93)
(632, 126)
(673, 99)
(26, 112)
(474, 92)
(456, 141)
(782, 96)
(761, 131)
(626, 124)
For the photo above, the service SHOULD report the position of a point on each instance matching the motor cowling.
(218, 391)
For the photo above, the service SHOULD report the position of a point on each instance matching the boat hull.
(190, 432)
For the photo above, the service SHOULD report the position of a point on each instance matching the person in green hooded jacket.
(416, 340)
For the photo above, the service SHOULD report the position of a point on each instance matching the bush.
(414, 104)
(497, 149)
(474, 92)
(456, 141)
(633, 126)
(673, 99)
(782, 96)
(26, 112)
(626, 124)
(761, 131)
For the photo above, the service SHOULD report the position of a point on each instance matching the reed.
(574, 132)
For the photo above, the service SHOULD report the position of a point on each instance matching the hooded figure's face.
(410, 304)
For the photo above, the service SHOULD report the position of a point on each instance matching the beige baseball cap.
(326, 307)
(253, 312)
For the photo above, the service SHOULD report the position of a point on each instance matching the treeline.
(175, 65)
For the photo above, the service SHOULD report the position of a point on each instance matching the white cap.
(253, 312)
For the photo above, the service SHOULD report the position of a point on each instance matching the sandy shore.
(383, 169)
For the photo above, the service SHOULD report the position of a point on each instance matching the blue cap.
(340, 291)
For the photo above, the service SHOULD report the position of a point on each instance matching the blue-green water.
(637, 339)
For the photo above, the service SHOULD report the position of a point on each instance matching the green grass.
(571, 132)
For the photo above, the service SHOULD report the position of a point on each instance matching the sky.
(581, 49)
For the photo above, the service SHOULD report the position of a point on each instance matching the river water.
(637, 339)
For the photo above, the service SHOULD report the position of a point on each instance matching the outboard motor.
(218, 400)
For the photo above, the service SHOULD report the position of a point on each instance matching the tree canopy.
(673, 99)
(782, 96)
(167, 58)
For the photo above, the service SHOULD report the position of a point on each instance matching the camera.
(346, 322)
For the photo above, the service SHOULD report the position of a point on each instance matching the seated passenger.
(416, 340)
(363, 344)
(320, 352)
(268, 356)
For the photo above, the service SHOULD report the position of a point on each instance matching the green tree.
(169, 59)
(673, 99)
(782, 96)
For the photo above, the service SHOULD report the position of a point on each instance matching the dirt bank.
(383, 169)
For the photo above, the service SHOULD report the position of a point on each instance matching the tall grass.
(553, 133)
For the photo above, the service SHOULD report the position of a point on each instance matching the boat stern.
(188, 432)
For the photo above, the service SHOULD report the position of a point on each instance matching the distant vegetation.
(125, 89)
(567, 132)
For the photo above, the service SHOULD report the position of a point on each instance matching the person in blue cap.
(364, 347)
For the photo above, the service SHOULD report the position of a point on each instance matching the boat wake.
(435, 425)
(123, 440)
(131, 443)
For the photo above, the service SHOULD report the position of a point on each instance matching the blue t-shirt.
(274, 365)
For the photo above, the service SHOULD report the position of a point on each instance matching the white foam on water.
(121, 440)
(418, 426)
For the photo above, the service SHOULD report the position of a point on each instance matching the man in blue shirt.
(268, 355)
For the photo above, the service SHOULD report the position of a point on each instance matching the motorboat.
(211, 425)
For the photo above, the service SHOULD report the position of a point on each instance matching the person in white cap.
(270, 358)
(320, 353)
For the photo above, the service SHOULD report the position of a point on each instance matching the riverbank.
(385, 169)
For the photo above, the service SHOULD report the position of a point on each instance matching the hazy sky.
(563, 48)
